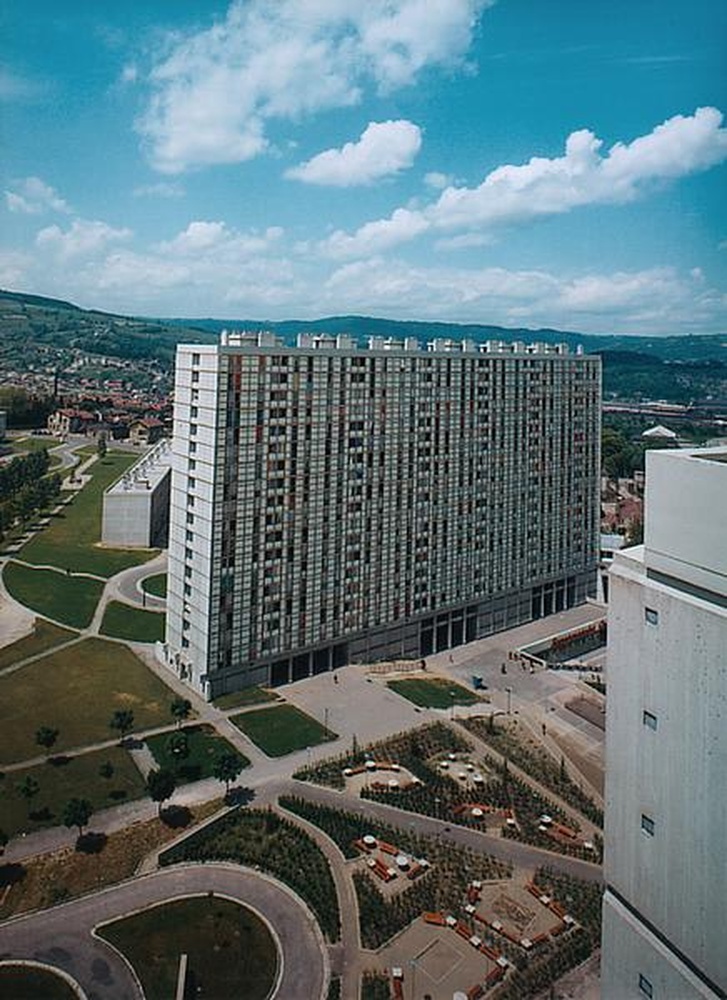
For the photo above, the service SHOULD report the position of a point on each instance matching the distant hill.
(30, 324)
(677, 369)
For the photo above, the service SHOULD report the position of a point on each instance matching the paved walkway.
(64, 935)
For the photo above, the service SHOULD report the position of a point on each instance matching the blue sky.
(523, 163)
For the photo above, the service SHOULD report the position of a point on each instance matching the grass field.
(124, 622)
(22, 982)
(248, 696)
(71, 600)
(71, 777)
(28, 445)
(156, 585)
(70, 541)
(44, 636)
(76, 690)
(204, 745)
(433, 692)
(231, 952)
(282, 729)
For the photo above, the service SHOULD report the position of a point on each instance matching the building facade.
(332, 504)
(666, 741)
(136, 506)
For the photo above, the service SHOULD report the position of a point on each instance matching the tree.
(181, 709)
(77, 812)
(46, 737)
(106, 770)
(101, 445)
(160, 786)
(122, 721)
(178, 746)
(226, 767)
(3, 840)
(28, 788)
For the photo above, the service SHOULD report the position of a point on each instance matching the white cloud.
(203, 240)
(163, 189)
(513, 194)
(33, 196)
(435, 179)
(17, 88)
(583, 176)
(651, 301)
(384, 148)
(374, 237)
(214, 91)
(465, 241)
(129, 74)
(83, 238)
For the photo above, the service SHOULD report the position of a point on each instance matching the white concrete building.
(136, 506)
(332, 504)
(665, 907)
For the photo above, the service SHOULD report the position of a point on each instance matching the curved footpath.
(64, 935)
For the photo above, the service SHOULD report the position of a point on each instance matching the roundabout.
(102, 972)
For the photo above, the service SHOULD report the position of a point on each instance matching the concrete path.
(64, 935)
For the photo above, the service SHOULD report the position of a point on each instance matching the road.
(64, 935)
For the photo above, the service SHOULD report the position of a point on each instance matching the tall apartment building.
(332, 504)
(665, 907)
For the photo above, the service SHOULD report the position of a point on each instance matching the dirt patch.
(65, 874)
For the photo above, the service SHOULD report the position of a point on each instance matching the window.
(192, 429)
(645, 986)
(195, 359)
(651, 616)
(195, 376)
(192, 463)
(190, 518)
(192, 447)
(647, 824)
(194, 411)
(191, 482)
(649, 720)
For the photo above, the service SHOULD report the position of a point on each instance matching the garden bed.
(263, 839)
(510, 741)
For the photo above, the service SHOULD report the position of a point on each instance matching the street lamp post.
(509, 699)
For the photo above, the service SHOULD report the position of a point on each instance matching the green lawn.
(71, 777)
(231, 952)
(71, 600)
(77, 690)
(19, 982)
(281, 729)
(204, 745)
(156, 585)
(27, 445)
(124, 622)
(433, 692)
(248, 696)
(44, 636)
(70, 541)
